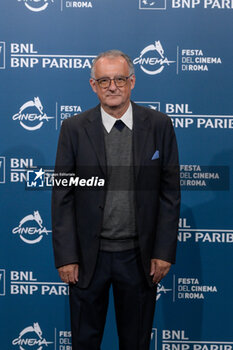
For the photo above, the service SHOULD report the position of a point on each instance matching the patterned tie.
(119, 125)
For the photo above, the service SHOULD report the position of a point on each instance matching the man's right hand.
(69, 273)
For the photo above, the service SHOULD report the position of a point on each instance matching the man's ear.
(92, 83)
(132, 81)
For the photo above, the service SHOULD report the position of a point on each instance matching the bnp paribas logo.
(152, 4)
(36, 5)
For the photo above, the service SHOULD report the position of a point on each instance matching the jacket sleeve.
(169, 199)
(64, 233)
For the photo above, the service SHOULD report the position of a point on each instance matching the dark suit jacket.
(77, 214)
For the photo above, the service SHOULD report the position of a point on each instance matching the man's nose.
(112, 85)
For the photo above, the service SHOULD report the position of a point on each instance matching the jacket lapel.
(95, 132)
(141, 127)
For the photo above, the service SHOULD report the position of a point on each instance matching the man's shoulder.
(154, 115)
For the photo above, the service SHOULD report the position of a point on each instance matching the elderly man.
(124, 237)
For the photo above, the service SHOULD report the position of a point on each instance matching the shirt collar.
(108, 121)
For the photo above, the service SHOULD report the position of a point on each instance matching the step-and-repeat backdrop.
(182, 52)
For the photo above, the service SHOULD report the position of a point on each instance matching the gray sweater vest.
(119, 230)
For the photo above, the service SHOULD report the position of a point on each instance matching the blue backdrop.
(182, 51)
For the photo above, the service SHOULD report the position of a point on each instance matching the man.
(124, 237)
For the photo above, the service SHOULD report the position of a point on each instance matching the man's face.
(113, 97)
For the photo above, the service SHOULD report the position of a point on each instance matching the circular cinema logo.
(31, 338)
(31, 116)
(31, 229)
(152, 59)
(36, 5)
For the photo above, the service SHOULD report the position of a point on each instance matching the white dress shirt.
(108, 121)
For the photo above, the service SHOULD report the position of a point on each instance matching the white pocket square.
(155, 155)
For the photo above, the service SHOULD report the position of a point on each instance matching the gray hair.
(112, 53)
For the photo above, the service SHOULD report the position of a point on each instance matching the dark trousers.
(134, 303)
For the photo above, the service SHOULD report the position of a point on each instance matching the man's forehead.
(111, 64)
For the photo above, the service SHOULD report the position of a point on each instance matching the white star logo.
(39, 174)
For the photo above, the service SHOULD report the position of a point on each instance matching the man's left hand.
(159, 269)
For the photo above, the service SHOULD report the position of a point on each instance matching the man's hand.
(159, 269)
(69, 273)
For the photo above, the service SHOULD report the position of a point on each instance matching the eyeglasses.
(106, 82)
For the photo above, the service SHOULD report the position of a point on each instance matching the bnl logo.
(35, 178)
(2, 55)
(2, 170)
(152, 4)
(2, 282)
(152, 105)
